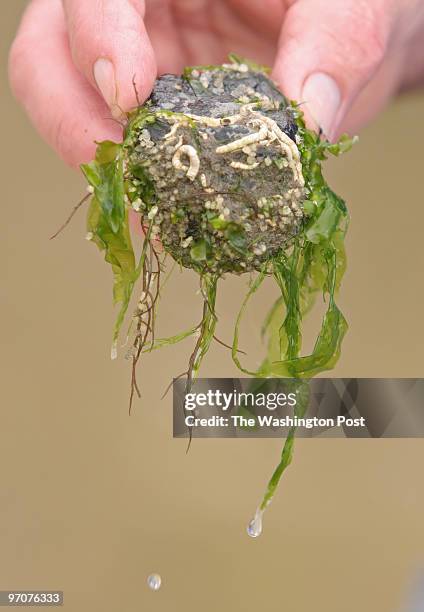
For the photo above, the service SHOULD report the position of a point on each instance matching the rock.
(215, 151)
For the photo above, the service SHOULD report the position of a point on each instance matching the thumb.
(110, 47)
(328, 52)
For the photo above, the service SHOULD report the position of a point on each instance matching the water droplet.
(154, 581)
(254, 528)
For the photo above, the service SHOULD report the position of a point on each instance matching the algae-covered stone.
(223, 170)
(212, 165)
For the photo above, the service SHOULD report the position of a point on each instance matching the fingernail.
(321, 95)
(104, 75)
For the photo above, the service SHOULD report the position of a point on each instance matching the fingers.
(329, 51)
(110, 47)
(64, 107)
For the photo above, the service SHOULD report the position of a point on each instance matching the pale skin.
(73, 62)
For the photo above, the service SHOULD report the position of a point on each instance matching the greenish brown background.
(92, 500)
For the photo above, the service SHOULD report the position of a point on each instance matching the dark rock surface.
(218, 203)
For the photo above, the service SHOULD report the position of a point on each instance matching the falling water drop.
(154, 581)
(254, 528)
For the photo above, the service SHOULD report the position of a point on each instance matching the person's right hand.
(73, 62)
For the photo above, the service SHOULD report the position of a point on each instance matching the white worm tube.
(286, 143)
(242, 166)
(179, 143)
(268, 132)
(191, 153)
(235, 145)
(171, 133)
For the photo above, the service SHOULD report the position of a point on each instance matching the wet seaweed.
(219, 222)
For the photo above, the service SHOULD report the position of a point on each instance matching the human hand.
(73, 62)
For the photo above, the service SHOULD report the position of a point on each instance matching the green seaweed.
(316, 262)
(107, 222)
(312, 264)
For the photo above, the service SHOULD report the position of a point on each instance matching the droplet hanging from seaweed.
(254, 528)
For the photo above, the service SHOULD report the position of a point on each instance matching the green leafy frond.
(312, 264)
(107, 222)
